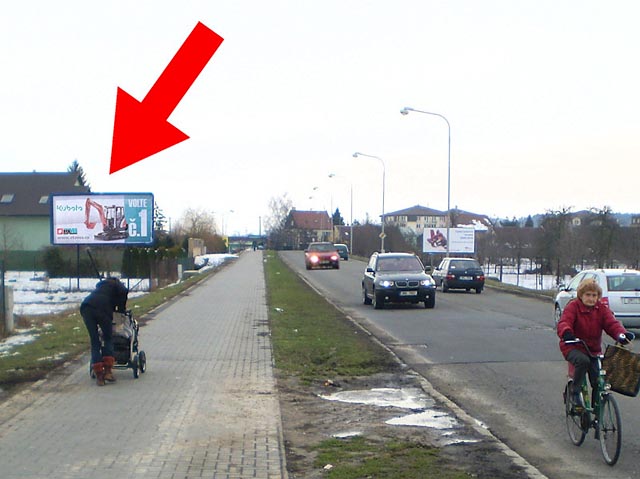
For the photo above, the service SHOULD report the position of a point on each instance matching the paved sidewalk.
(206, 407)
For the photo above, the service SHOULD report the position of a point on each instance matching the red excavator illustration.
(114, 224)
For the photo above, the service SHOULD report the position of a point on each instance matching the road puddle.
(423, 411)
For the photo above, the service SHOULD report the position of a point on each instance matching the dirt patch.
(308, 419)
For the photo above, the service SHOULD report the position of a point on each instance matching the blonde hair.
(589, 285)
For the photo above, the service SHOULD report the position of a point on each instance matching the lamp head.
(331, 175)
(405, 111)
(355, 155)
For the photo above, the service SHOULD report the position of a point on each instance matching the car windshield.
(623, 282)
(399, 264)
(466, 264)
(322, 247)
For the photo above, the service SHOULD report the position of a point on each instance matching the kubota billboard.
(102, 218)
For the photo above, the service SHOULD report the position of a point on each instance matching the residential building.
(25, 208)
(418, 218)
(304, 227)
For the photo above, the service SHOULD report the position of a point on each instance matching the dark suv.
(459, 273)
(397, 278)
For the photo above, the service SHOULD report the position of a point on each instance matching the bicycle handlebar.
(578, 341)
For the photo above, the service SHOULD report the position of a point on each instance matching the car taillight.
(481, 277)
(450, 276)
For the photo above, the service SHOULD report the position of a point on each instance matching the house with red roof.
(304, 227)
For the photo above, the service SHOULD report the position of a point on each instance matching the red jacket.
(587, 324)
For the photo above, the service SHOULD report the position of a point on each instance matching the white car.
(620, 291)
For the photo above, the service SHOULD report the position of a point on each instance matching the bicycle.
(606, 420)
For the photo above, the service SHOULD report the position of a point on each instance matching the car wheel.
(445, 288)
(365, 298)
(377, 301)
(478, 290)
(430, 302)
(556, 315)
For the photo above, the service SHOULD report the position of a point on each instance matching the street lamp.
(382, 235)
(333, 175)
(405, 111)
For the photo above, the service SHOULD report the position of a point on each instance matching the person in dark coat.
(97, 312)
(586, 318)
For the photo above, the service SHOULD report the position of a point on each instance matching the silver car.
(620, 291)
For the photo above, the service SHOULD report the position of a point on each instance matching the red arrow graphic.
(141, 129)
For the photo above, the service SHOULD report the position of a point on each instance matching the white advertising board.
(461, 240)
(102, 218)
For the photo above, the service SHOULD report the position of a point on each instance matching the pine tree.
(82, 177)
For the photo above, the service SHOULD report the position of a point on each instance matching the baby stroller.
(125, 344)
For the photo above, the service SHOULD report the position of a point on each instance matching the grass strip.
(360, 457)
(312, 340)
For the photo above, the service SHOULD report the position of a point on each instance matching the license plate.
(466, 278)
(631, 300)
(408, 293)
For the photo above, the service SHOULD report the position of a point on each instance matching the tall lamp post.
(405, 111)
(333, 175)
(382, 235)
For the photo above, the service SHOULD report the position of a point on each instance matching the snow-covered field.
(35, 294)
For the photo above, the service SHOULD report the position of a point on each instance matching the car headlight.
(313, 259)
(386, 283)
(427, 282)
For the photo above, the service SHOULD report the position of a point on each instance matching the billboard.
(461, 240)
(101, 218)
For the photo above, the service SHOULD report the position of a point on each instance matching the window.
(7, 198)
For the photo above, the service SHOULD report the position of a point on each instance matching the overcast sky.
(542, 97)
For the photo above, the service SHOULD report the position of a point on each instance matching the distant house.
(418, 218)
(25, 208)
(466, 219)
(304, 227)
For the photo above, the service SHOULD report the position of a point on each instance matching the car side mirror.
(428, 269)
(370, 269)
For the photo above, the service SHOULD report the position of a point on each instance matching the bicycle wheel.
(575, 420)
(610, 430)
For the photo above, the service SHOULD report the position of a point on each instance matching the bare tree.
(603, 230)
(556, 245)
(279, 208)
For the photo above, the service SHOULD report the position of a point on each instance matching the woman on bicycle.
(586, 317)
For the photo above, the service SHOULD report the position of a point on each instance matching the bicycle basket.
(623, 370)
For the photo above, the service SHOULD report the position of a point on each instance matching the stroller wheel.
(134, 364)
(142, 361)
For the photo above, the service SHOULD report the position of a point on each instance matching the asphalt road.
(494, 354)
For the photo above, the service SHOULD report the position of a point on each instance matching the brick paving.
(206, 407)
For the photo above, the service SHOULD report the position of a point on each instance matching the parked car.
(397, 278)
(459, 273)
(343, 251)
(321, 254)
(620, 291)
